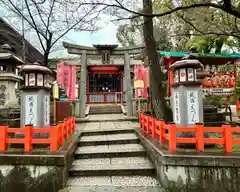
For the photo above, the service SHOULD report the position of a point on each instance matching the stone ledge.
(87, 120)
(204, 159)
(87, 110)
(61, 158)
(123, 110)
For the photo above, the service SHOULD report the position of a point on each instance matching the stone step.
(105, 109)
(104, 112)
(112, 166)
(107, 131)
(113, 182)
(113, 170)
(113, 189)
(101, 151)
(123, 138)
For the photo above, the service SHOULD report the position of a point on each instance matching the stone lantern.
(35, 95)
(8, 77)
(187, 101)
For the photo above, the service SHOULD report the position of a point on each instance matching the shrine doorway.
(104, 86)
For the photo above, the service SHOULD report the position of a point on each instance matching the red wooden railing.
(167, 132)
(56, 135)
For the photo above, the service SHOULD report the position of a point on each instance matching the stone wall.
(184, 178)
(31, 178)
(36, 171)
(193, 171)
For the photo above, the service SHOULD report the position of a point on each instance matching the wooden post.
(172, 137)
(3, 138)
(28, 138)
(74, 124)
(199, 137)
(54, 111)
(227, 136)
(140, 119)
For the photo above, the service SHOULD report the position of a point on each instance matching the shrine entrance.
(104, 85)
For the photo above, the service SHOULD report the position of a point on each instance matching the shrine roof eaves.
(9, 29)
(213, 55)
(93, 49)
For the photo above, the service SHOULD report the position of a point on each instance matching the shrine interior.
(104, 82)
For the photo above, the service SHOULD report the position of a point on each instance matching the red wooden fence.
(56, 137)
(158, 130)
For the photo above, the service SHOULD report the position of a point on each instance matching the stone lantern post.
(8, 77)
(35, 95)
(187, 101)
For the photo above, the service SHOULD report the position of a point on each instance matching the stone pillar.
(187, 101)
(83, 80)
(128, 84)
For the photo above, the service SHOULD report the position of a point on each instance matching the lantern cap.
(5, 47)
(35, 67)
(186, 63)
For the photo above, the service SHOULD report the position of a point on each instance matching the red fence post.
(227, 136)
(60, 133)
(74, 124)
(199, 137)
(54, 138)
(161, 132)
(149, 120)
(172, 137)
(144, 123)
(3, 138)
(144, 120)
(28, 138)
(65, 128)
(153, 127)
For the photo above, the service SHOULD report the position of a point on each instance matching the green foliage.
(215, 100)
(205, 44)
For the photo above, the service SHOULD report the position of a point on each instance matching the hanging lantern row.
(185, 71)
(185, 74)
(226, 68)
(38, 79)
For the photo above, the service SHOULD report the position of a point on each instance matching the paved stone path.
(110, 157)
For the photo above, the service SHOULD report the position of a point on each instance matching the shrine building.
(105, 74)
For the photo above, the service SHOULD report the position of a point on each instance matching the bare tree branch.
(34, 24)
(234, 11)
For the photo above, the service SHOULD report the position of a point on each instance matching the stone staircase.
(105, 109)
(111, 160)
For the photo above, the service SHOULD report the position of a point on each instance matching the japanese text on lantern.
(193, 111)
(46, 110)
(31, 110)
(176, 107)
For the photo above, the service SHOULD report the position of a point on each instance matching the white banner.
(46, 110)
(176, 97)
(193, 109)
(31, 110)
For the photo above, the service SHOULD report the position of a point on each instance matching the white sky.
(107, 34)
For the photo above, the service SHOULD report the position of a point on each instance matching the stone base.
(193, 171)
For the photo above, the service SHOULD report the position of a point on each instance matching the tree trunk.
(45, 57)
(157, 90)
